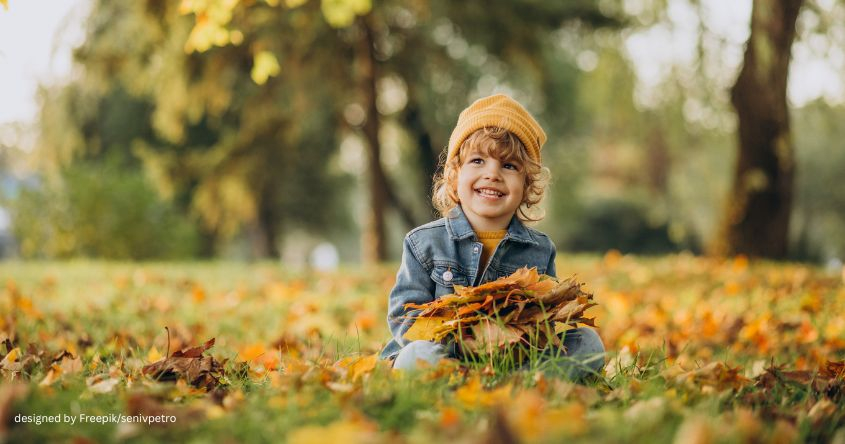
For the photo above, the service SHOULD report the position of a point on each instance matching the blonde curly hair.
(501, 144)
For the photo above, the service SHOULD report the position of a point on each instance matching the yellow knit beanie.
(499, 111)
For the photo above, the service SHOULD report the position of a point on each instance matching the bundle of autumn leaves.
(523, 308)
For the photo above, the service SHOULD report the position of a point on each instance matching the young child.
(491, 182)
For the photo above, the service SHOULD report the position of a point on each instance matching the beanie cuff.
(503, 112)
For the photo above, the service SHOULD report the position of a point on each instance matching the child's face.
(490, 190)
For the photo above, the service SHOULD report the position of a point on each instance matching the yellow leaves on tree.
(341, 13)
(226, 200)
(212, 18)
(265, 65)
(214, 22)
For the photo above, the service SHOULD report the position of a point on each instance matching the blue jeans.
(584, 355)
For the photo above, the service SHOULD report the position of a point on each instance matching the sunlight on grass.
(726, 350)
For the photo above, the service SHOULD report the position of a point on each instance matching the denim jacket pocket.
(446, 277)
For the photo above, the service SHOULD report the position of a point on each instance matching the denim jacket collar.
(459, 228)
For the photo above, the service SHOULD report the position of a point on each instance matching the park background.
(253, 130)
(245, 170)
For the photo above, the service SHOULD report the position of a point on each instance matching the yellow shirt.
(489, 241)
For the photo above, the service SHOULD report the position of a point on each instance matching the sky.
(37, 37)
(816, 69)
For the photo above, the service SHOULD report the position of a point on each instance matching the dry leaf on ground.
(200, 371)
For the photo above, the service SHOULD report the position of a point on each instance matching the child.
(492, 179)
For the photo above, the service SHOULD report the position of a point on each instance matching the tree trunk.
(427, 155)
(658, 162)
(257, 240)
(756, 222)
(268, 223)
(373, 242)
(208, 241)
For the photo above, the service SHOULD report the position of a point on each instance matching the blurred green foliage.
(100, 211)
(818, 223)
(257, 164)
(253, 161)
(619, 224)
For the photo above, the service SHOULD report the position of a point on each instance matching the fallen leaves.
(154, 355)
(52, 376)
(102, 384)
(11, 358)
(200, 371)
(715, 376)
(353, 431)
(358, 367)
(15, 363)
(474, 395)
(726, 350)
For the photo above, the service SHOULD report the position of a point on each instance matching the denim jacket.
(440, 254)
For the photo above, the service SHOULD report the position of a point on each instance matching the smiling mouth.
(486, 192)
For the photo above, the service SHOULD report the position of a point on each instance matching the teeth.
(490, 192)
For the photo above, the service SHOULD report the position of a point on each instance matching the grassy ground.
(700, 350)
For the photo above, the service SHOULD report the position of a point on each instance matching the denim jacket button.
(447, 276)
(475, 250)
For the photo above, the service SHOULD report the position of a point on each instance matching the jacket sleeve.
(551, 270)
(413, 285)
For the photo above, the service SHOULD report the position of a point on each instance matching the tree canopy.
(256, 121)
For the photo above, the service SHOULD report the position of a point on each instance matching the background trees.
(757, 219)
(263, 125)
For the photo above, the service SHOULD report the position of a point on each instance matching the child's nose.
(492, 171)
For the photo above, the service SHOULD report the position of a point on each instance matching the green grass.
(662, 319)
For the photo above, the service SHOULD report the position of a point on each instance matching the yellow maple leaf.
(472, 394)
(252, 352)
(424, 328)
(154, 355)
(363, 366)
(11, 357)
(53, 375)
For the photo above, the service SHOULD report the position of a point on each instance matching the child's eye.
(512, 166)
(477, 160)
